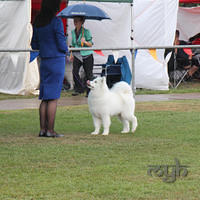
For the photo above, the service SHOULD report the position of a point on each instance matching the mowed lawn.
(85, 167)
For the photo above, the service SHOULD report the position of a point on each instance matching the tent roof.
(122, 1)
(114, 1)
(36, 3)
(189, 1)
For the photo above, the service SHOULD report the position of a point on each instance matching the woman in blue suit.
(48, 38)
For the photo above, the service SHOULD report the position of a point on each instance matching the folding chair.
(116, 71)
(178, 70)
(178, 75)
(112, 73)
(97, 70)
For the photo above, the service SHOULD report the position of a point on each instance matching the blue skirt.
(51, 77)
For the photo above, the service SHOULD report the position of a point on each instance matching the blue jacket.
(50, 39)
(125, 70)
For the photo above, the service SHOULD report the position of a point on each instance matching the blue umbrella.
(85, 10)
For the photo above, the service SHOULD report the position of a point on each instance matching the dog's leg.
(106, 124)
(126, 127)
(125, 123)
(134, 123)
(97, 125)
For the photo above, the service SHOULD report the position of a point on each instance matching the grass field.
(85, 167)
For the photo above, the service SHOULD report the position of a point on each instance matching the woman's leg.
(88, 67)
(76, 77)
(51, 114)
(43, 115)
(195, 66)
(192, 70)
(88, 64)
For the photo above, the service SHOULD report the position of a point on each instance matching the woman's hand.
(83, 41)
(71, 57)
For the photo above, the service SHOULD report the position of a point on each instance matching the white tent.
(188, 22)
(17, 76)
(154, 25)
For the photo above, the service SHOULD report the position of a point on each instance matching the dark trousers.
(87, 63)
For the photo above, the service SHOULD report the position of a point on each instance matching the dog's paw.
(105, 133)
(125, 131)
(133, 130)
(94, 133)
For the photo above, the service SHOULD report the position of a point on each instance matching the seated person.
(183, 60)
(195, 40)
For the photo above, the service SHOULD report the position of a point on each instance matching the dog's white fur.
(104, 103)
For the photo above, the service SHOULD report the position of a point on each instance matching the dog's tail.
(122, 88)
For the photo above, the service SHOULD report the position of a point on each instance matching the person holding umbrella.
(81, 37)
(48, 38)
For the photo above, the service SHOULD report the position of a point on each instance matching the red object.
(196, 41)
(189, 1)
(35, 9)
(188, 51)
(99, 52)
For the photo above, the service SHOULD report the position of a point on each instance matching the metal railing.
(132, 49)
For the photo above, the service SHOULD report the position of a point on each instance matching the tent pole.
(133, 70)
(132, 53)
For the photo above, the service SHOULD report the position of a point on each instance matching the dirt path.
(16, 104)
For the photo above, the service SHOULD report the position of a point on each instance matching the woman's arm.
(34, 40)
(87, 39)
(60, 37)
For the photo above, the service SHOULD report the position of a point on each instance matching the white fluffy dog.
(104, 103)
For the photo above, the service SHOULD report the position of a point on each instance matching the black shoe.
(66, 87)
(75, 93)
(42, 134)
(54, 135)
